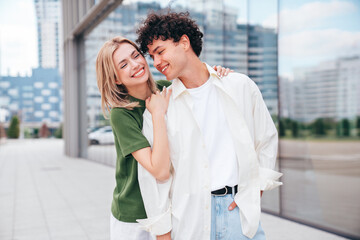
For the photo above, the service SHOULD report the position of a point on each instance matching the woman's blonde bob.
(112, 94)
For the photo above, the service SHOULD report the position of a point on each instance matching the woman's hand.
(158, 103)
(221, 71)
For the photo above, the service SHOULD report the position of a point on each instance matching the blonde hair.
(112, 94)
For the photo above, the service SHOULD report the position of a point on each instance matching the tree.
(2, 131)
(44, 131)
(358, 125)
(319, 127)
(346, 127)
(295, 129)
(14, 128)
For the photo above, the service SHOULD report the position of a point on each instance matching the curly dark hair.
(171, 25)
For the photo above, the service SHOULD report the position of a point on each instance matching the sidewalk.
(46, 195)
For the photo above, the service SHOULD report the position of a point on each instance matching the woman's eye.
(161, 52)
(123, 65)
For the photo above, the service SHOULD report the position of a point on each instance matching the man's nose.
(157, 61)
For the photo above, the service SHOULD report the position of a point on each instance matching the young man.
(222, 140)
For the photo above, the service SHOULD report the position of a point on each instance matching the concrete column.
(79, 18)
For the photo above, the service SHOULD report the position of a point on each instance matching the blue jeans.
(225, 224)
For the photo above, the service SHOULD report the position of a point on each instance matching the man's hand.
(233, 204)
(166, 236)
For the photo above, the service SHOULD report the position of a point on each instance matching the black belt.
(225, 190)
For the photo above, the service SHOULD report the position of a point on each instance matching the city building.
(17, 98)
(47, 87)
(35, 99)
(263, 63)
(48, 16)
(328, 90)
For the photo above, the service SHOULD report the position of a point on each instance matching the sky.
(18, 37)
(316, 31)
(310, 31)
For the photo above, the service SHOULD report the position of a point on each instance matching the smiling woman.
(132, 70)
(125, 82)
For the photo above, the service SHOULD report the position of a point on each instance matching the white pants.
(127, 231)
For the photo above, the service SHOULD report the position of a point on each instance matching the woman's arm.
(157, 159)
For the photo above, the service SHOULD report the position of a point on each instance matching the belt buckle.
(226, 192)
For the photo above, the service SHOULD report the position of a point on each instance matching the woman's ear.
(117, 81)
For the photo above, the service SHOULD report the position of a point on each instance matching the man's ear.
(185, 42)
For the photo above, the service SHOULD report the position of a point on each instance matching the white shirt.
(215, 132)
(183, 203)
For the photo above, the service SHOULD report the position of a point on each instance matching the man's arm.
(266, 142)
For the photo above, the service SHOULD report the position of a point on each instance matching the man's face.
(169, 57)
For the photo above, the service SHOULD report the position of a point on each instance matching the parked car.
(103, 135)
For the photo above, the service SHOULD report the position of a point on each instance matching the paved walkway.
(46, 195)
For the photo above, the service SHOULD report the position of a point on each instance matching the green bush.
(58, 132)
(281, 128)
(295, 129)
(14, 128)
(35, 133)
(28, 133)
(318, 127)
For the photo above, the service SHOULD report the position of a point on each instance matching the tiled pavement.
(46, 195)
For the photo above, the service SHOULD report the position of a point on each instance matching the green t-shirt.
(127, 204)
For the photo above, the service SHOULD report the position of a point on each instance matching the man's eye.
(161, 52)
(123, 65)
(137, 55)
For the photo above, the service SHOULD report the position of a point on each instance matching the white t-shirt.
(209, 115)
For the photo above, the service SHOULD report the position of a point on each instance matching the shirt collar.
(179, 88)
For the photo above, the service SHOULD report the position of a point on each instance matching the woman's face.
(131, 67)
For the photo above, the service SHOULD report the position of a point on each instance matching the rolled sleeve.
(266, 144)
(268, 179)
(157, 225)
(155, 194)
(156, 199)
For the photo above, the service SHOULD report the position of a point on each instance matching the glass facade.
(319, 117)
(305, 58)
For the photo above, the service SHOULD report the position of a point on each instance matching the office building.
(34, 99)
(49, 32)
(328, 90)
